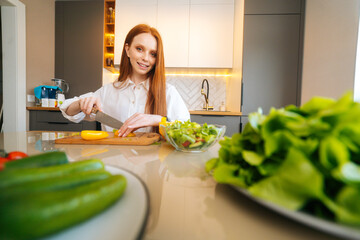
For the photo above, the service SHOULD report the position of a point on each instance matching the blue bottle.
(44, 97)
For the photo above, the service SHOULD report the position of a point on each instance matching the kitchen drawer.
(41, 120)
(50, 116)
(53, 126)
(232, 123)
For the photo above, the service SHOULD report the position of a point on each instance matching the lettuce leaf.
(298, 156)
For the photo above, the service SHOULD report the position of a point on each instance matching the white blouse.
(122, 103)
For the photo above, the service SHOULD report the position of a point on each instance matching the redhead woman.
(140, 97)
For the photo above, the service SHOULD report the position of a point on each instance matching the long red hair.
(156, 101)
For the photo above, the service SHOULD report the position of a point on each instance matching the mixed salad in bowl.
(191, 136)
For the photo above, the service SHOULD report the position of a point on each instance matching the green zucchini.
(39, 160)
(11, 177)
(196, 144)
(47, 213)
(52, 184)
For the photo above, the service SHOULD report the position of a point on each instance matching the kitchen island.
(185, 202)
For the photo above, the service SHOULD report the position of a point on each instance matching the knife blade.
(106, 119)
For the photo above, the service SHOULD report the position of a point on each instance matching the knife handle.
(94, 110)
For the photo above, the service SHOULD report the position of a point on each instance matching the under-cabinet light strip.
(198, 74)
(194, 74)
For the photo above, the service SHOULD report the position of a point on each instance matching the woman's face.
(142, 53)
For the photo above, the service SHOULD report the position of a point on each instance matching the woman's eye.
(153, 54)
(138, 48)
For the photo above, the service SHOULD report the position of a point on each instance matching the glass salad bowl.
(191, 136)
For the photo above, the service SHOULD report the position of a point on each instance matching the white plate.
(126, 219)
(307, 219)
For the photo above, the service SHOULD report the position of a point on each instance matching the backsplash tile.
(189, 88)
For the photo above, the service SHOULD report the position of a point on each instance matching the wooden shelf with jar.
(109, 34)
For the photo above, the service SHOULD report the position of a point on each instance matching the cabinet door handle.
(242, 95)
(58, 122)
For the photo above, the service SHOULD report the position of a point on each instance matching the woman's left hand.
(139, 120)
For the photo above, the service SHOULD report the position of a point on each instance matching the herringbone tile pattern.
(189, 88)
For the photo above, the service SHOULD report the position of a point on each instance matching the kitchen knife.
(106, 119)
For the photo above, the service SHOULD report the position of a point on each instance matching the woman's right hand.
(87, 104)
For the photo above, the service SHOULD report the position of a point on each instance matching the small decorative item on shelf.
(222, 107)
(111, 15)
(110, 40)
(109, 62)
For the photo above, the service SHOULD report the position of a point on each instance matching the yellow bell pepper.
(161, 129)
(116, 134)
(93, 135)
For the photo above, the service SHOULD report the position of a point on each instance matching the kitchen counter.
(43, 108)
(211, 112)
(185, 202)
(194, 112)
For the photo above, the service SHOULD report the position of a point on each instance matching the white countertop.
(185, 202)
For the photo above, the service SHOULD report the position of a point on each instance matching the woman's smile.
(142, 65)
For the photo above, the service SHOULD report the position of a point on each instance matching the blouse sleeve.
(176, 107)
(80, 116)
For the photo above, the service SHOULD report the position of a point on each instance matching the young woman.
(140, 97)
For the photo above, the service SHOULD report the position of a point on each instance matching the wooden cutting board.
(139, 139)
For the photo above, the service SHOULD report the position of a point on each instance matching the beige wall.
(233, 90)
(40, 43)
(330, 41)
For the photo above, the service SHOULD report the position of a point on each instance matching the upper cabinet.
(127, 15)
(211, 35)
(195, 34)
(173, 25)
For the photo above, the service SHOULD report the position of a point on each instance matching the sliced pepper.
(93, 135)
(116, 134)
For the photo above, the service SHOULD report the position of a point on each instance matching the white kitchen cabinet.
(194, 2)
(211, 35)
(195, 34)
(173, 25)
(127, 15)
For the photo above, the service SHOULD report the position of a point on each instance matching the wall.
(40, 43)
(357, 69)
(330, 40)
(13, 28)
(233, 89)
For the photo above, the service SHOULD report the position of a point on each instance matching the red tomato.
(2, 162)
(186, 144)
(16, 155)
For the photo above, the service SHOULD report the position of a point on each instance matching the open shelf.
(109, 33)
